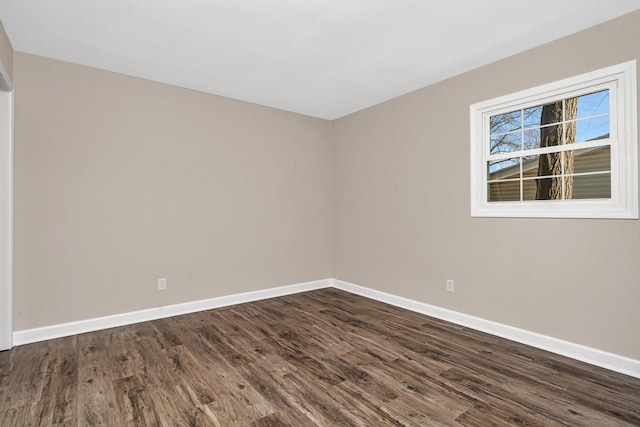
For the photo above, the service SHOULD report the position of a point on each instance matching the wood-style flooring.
(321, 358)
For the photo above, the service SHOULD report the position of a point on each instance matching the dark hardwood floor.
(326, 358)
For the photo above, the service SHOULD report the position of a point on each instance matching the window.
(566, 149)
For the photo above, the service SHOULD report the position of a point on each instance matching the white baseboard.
(66, 329)
(593, 356)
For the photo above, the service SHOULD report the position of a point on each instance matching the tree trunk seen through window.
(553, 164)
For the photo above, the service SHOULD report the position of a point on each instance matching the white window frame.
(621, 81)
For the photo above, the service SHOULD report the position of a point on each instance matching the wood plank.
(134, 403)
(96, 396)
(179, 406)
(285, 405)
(60, 390)
(27, 369)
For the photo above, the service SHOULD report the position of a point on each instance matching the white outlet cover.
(450, 285)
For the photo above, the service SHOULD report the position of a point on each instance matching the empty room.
(356, 213)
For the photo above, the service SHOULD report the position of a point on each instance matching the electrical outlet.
(162, 284)
(449, 285)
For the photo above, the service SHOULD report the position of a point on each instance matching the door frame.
(6, 210)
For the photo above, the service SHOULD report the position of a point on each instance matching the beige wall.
(120, 181)
(6, 52)
(401, 210)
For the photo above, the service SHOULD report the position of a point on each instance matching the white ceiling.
(323, 58)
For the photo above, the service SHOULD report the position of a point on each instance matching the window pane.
(590, 186)
(532, 139)
(533, 116)
(593, 104)
(539, 189)
(552, 113)
(506, 143)
(550, 135)
(592, 160)
(508, 191)
(592, 129)
(528, 189)
(530, 166)
(506, 122)
(503, 169)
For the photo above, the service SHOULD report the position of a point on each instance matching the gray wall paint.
(120, 181)
(402, 213)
